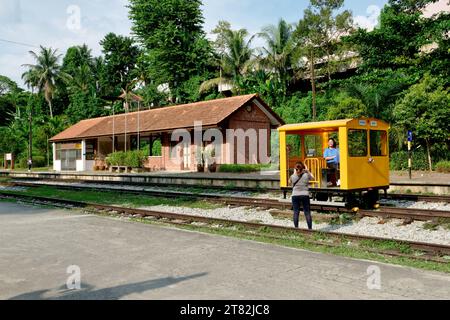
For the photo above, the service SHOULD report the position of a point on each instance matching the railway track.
(419, 250)
(382, 212)
(418, 197)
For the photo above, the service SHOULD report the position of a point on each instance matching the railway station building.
(239, 127)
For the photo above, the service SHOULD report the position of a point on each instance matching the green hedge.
(134, 159)
(241, 168)
(38, 162)
(399, 160)
(443, 166)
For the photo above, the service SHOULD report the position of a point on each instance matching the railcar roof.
(334, 124)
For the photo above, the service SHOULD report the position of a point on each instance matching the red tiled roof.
(209, 113)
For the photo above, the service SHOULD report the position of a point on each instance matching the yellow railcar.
(363, 150)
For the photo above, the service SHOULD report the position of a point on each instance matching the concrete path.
(125, 260)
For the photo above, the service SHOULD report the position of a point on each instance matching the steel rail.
(383, 212)
(436, 249)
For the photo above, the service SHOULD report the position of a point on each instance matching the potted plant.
(211, 155)
(200, 160)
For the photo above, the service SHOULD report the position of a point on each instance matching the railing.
(315, 166)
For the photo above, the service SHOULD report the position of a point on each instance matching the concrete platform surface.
(126, 260)
(396, 177)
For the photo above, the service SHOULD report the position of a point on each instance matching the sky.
(60, 24)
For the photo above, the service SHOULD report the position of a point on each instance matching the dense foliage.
(322, 67)
(133, 159)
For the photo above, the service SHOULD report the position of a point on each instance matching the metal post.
(126, 111)
(114, 138)
(409, 160)
(410, 139)
(139, 134)
(30, 136)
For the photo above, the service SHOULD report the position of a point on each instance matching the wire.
(19, 43)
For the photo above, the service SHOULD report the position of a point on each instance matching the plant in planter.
(200, 159)
(210, 152)
(135, 160)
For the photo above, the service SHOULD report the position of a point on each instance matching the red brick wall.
(154, 163)
(242, 119)
(255, 119)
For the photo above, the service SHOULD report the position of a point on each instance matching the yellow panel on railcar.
(362, 146)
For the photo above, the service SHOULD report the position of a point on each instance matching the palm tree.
(44, 74)
(236, 59)
(279, 50)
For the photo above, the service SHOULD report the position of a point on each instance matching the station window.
(378, 143)
(63, 150)
(91, 147)
(357, 143)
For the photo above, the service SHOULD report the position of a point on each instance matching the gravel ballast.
(369, 226)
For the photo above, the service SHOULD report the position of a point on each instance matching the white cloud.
(45, 23)
(370, 21)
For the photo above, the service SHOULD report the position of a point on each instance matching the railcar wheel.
(322, 196)
(370, 199)
(351, 201)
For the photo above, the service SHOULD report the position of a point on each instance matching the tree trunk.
(328, 65)
(51, 108)
(48, 153)
(313, 85)
(430, 163)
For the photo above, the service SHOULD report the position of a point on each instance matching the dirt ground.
(421, 176)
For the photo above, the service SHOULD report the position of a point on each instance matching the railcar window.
(378, 143)
(294, 143)
(313, 146)
(357, 143)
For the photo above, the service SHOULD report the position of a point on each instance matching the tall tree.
(278, 51)
(235, 60)
(121, 58)
(44, 74)
(171, 31)
(10, 98)
(307, 36)
(425, 110)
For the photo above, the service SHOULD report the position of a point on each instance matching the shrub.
(443, 166)
(134, 159)
(38, 162)
(241, 168)
(399, 160)
(116, 159)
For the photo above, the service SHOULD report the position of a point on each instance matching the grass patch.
(43, 169)
(342, 219)
(387, 245)
(440, 222)
(115, 198)
(243, 168)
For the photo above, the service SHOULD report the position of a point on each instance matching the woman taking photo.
(300, 193)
